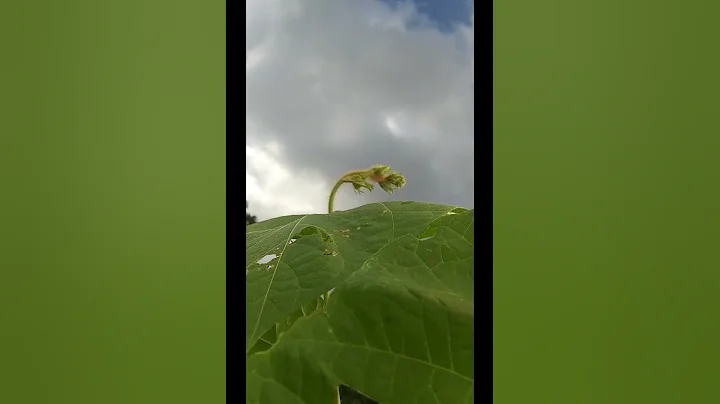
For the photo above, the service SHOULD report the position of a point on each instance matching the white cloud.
(335, 85)
(274, 188)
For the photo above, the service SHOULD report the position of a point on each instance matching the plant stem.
(331, 200)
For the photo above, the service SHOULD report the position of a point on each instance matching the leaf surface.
(292, 260)
(399, 329)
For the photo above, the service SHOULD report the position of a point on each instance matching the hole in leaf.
(457, 211)
(329, 293)
(266, 259)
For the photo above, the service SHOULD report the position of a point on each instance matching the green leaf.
(293, 260)
(399, 330)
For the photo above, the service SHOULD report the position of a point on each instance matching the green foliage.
(398, 326)
(249, 219)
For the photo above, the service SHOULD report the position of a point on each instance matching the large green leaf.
(292, 260)
(399, 330)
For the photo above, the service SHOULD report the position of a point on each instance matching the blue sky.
(445, 13)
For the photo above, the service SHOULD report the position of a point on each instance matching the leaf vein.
(277, 267)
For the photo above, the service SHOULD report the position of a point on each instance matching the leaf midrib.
(272, 279)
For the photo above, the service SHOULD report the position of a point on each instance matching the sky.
(338, 85)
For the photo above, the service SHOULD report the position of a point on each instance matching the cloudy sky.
(337, 85)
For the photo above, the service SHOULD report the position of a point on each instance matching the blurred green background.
(606, 207)
(112, 202)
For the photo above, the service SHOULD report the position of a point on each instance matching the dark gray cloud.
(335, 85)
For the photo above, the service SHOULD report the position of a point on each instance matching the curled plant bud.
(360, 179)
(377, 173)
(359, 182)
(392, 182)
(387, 181)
